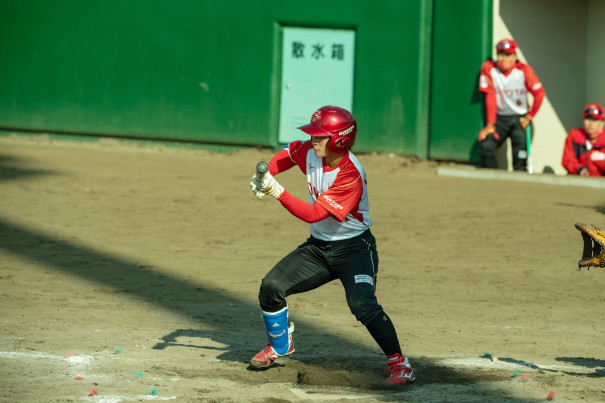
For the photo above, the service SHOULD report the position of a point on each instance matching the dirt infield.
(137, 269)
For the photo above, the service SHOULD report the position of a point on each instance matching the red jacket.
(575, 153)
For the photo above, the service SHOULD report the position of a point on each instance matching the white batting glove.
(268, 185)
(255, 186)
(272, 187)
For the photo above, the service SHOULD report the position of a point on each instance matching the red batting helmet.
(336, 123)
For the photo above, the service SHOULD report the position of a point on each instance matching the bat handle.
(261, 169)
(530, 165)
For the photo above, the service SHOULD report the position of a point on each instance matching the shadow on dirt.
(583, 361)
(586, 362)
(9, 170)
(580, 362)
(318, 363)
(597, 208)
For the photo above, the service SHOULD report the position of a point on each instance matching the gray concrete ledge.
(498, 174)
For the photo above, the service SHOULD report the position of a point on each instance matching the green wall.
(208, 71)
(462, 41)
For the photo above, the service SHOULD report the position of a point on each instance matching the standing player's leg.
(518, 139)
(356, 263)
(488, 147)
(301, 270)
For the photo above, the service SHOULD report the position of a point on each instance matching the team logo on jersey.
(316, 116)
(511, 93)
(364, 278)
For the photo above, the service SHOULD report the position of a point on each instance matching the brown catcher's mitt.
(593, 254)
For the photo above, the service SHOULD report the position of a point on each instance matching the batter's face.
(593, 128)
(319, 145)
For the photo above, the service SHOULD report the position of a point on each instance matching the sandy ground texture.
(132, 272)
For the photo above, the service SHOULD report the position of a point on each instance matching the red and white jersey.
(511, 87)
(342, 191)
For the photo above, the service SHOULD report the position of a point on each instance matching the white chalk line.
(84, 360)
(327, 396)
(117, 399)
(76, 359)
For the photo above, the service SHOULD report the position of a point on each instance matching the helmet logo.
(347, 131)
(316, 116)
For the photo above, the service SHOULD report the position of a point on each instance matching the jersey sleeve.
(491, 107)
(280, 162)
(307, 212)
(534, 86)
(486, 84)
(298, 153)
(570, 160)
(343, 196)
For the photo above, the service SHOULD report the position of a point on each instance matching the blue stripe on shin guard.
(276, 325)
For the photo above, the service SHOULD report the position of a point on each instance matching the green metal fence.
(209, 72)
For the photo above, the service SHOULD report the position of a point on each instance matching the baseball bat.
(530, 166)
(261, 169)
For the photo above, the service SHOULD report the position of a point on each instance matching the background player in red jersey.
(586, 144)
(340, 246)
(505, 83)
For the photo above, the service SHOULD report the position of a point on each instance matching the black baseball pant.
(506, 126)
(353, 261)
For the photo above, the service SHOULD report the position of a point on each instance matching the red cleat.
(401, 372)
(266, 357)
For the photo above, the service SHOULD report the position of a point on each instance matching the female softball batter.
(340, 246)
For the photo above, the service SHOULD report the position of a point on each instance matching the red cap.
(594, 111)
(507, 45)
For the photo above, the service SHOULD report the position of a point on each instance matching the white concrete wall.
(563, 40)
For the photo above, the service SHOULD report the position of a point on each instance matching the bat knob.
(261, 169)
